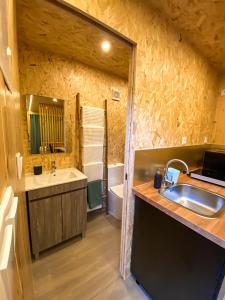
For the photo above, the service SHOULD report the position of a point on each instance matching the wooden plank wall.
(10, 144)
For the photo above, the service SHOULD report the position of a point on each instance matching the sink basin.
(60, 177)
(56, 178)
(195, 199)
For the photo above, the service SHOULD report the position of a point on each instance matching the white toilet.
(115, 192)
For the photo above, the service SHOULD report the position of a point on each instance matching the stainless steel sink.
(195, 199)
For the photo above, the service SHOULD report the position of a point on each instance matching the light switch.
(8, 51)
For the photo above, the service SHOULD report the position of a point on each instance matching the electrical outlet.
(205, 140)
(184, 140)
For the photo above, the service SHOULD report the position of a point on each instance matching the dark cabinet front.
(171, 261)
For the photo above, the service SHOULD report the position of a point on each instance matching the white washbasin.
(50, 178)
(61, 176)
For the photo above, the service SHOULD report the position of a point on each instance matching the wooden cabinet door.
(74, 211)
(45, 223)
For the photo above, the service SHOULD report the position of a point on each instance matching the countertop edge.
(30, 187)
(50, 185)
(210, 236)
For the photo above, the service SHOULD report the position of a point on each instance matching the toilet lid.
(117, 190)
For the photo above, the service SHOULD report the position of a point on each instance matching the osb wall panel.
(175, 88)
(40, 24)
(202, 22)
(219, 133)
(47, 74)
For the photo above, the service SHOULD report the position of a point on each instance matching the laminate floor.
(86, 269)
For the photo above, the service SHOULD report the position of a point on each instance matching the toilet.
(115, 189)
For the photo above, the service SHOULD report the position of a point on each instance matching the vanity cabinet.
(73, 204)
(45, 223)
(56, 214)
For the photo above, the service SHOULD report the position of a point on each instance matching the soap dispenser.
(157, 179)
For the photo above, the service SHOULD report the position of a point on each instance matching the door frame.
(127, 214)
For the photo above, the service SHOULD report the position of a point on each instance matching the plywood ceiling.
(44, 25)
(202, 22)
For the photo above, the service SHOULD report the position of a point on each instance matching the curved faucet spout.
(166, 183)
(178, 161)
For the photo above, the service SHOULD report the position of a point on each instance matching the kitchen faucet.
(53, 167)
(166, 182)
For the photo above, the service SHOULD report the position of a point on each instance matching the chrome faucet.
(166, 183)
(53, 167)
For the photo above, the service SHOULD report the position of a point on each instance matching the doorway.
(48, 46)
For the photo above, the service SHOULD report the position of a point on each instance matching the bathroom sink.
(54, 178)
(195, 199)
(61, 176)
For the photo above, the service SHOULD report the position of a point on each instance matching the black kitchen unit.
(213, 168)
(171, 261)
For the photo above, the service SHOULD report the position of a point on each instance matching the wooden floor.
(87, 269)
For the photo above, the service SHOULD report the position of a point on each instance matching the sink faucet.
(166, 183)
(53, 168)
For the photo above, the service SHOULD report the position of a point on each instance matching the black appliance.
(213, 169)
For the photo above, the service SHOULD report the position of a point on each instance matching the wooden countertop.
(211, 228)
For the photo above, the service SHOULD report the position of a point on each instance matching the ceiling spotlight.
(54, 100)
(106, 46)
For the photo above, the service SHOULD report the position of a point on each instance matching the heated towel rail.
(93, 142)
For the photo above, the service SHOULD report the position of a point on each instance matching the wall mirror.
(45, 124)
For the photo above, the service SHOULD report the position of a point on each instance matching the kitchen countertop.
(211, 228)
(62, 176)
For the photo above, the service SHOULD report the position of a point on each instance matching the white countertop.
(33, 182)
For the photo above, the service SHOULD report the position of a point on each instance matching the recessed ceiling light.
(106, 46)
(55, 100)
